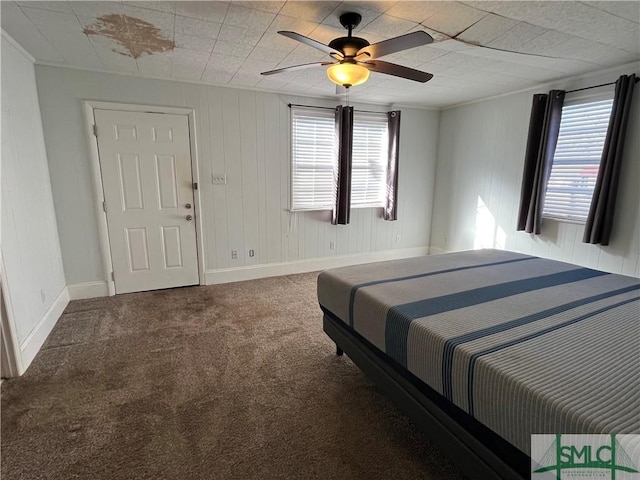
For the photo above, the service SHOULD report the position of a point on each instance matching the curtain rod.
(331, 108)
(596, 86)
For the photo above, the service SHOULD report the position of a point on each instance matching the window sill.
(366, 206)
(324, 209)
(316, 209)
(566, 220)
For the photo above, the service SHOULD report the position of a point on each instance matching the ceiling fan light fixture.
(347, 74)
(356, 57)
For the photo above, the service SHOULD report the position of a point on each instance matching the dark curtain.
(390, 211)
(600, 219)
(544, 126)
(342, 172)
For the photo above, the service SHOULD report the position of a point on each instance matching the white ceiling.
(500, 46)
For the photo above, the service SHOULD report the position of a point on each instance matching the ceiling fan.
(355, 57)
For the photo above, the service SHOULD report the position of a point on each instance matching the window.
(313, 153)
(369, 160)
(576, 161)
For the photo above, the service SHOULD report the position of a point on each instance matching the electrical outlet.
(397, 238)
(251, 253)
(332, 245)
(234, 254)
(219, 179)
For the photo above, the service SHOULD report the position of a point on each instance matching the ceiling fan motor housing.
(349, 46)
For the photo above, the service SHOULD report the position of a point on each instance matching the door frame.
(105, 245)
(11, 355)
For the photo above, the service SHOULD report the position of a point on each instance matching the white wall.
(33, 268)
(244, 134)
(481, 157)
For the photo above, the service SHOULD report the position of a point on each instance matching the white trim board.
(337, 98)
(13, 366)
(10, 358)
(570, 80)
(438, 251)
(334, 99)
(79, 291)
(17, 46)
(36, 338)
(252, 272)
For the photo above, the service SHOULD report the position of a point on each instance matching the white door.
(145, 159)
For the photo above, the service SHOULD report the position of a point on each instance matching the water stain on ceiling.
(136, 36)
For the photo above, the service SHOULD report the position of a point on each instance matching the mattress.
(523, 344)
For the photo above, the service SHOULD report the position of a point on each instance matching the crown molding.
(16, 45)
(635, 66)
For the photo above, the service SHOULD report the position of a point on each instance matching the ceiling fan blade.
(296, 67)
(312, 43)
(397, 70)
(393, 45)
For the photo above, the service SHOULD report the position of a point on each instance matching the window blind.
(576, 161)
(369, 157)
(313, 158)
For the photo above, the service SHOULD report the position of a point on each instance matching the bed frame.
(477, 451)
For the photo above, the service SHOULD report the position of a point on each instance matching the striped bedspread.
(523, 344)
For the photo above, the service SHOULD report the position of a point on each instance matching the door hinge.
(104, 207)
(95, 130)
(195, 185)
(113, 277)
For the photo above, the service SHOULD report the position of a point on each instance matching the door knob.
(188, 205)
(189, 217)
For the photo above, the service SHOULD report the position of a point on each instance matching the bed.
(484, 348)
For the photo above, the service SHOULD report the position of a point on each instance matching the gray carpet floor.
(233, 381)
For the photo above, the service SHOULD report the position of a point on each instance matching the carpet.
(234, 381)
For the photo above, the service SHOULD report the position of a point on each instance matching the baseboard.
(78, 291)
(251, 272)
(34, 341)
(438, 251)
